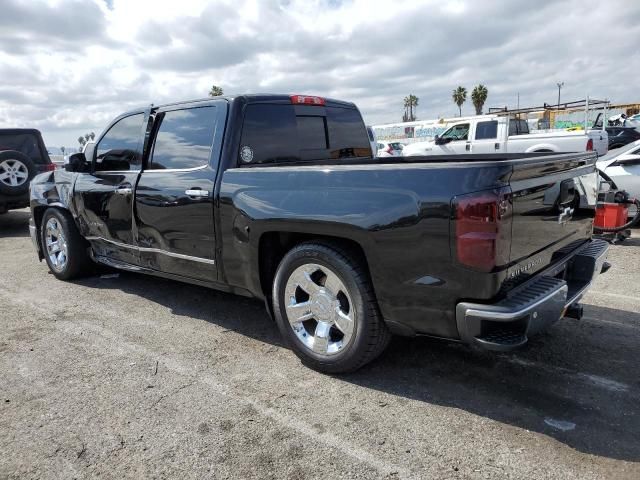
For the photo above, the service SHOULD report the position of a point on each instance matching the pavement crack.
(171, 394)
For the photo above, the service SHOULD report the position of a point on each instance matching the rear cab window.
(518, 127)
(280, 133)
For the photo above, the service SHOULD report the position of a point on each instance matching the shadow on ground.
(584, 373)
(14, 223)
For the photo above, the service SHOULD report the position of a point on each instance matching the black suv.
(22, 156)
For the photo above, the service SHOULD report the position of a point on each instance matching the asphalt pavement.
(129, 376)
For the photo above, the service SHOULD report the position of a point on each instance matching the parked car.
(506, 135)
(623, 167)
(22, 156)
(390, 149)
(278, 198)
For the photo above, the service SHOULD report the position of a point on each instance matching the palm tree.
(86, 137)
(215, 91)
(478, 97)
(413, 106)
(92, 135)
(410, 102)
(405, 117)
(62, 150)
(459, 97)
(81, 140)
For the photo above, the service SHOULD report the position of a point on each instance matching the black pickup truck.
(278, 197)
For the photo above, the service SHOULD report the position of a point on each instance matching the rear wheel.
(326, 310)
(64, 248)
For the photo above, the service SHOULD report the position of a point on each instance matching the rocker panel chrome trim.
(154, 250)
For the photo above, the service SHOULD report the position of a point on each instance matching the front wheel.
(64, 248)
(326, 310)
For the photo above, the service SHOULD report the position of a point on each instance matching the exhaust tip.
(575, 310)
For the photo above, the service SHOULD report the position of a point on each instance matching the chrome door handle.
(124, 190)
(197, 193)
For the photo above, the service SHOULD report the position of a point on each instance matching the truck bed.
(401, 212)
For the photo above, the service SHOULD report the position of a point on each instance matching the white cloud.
(68, 67)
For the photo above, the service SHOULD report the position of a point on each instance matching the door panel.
(485, 134)
(175, 230)
(105, 206)
(459, 135)
(174, 200)
(104, 197)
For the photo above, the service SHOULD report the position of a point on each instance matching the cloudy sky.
(68, 67)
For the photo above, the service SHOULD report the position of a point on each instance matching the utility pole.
(560, 85)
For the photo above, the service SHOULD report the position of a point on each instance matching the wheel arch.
(540, 149)
(37, 213)
(274, 245)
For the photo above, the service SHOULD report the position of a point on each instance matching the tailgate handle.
(497, 146)
(567, 191)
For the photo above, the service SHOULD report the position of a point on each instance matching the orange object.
(611, 215)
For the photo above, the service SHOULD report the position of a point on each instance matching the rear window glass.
(311, 132)
(26, 143)
(274, 133)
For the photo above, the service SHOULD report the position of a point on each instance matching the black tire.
(370, 335)
(78, 263)
(14, 159)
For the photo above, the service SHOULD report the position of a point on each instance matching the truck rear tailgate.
(548, 219)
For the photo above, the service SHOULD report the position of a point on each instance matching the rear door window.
(487, 130)
(283, 133)
(184, 139)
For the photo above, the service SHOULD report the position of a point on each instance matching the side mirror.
(437, 140)
(77, 163)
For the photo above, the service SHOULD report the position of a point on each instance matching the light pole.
(560, 85)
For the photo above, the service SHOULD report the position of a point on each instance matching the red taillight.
(483, 229)
(307, 100)
(590, 145)
(49, 167)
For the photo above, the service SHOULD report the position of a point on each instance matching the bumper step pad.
(532, 307)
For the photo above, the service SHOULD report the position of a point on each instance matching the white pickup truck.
(501, 134)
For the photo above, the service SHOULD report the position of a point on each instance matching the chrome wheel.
(56, 244)
(319, 309)
(13, 173)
